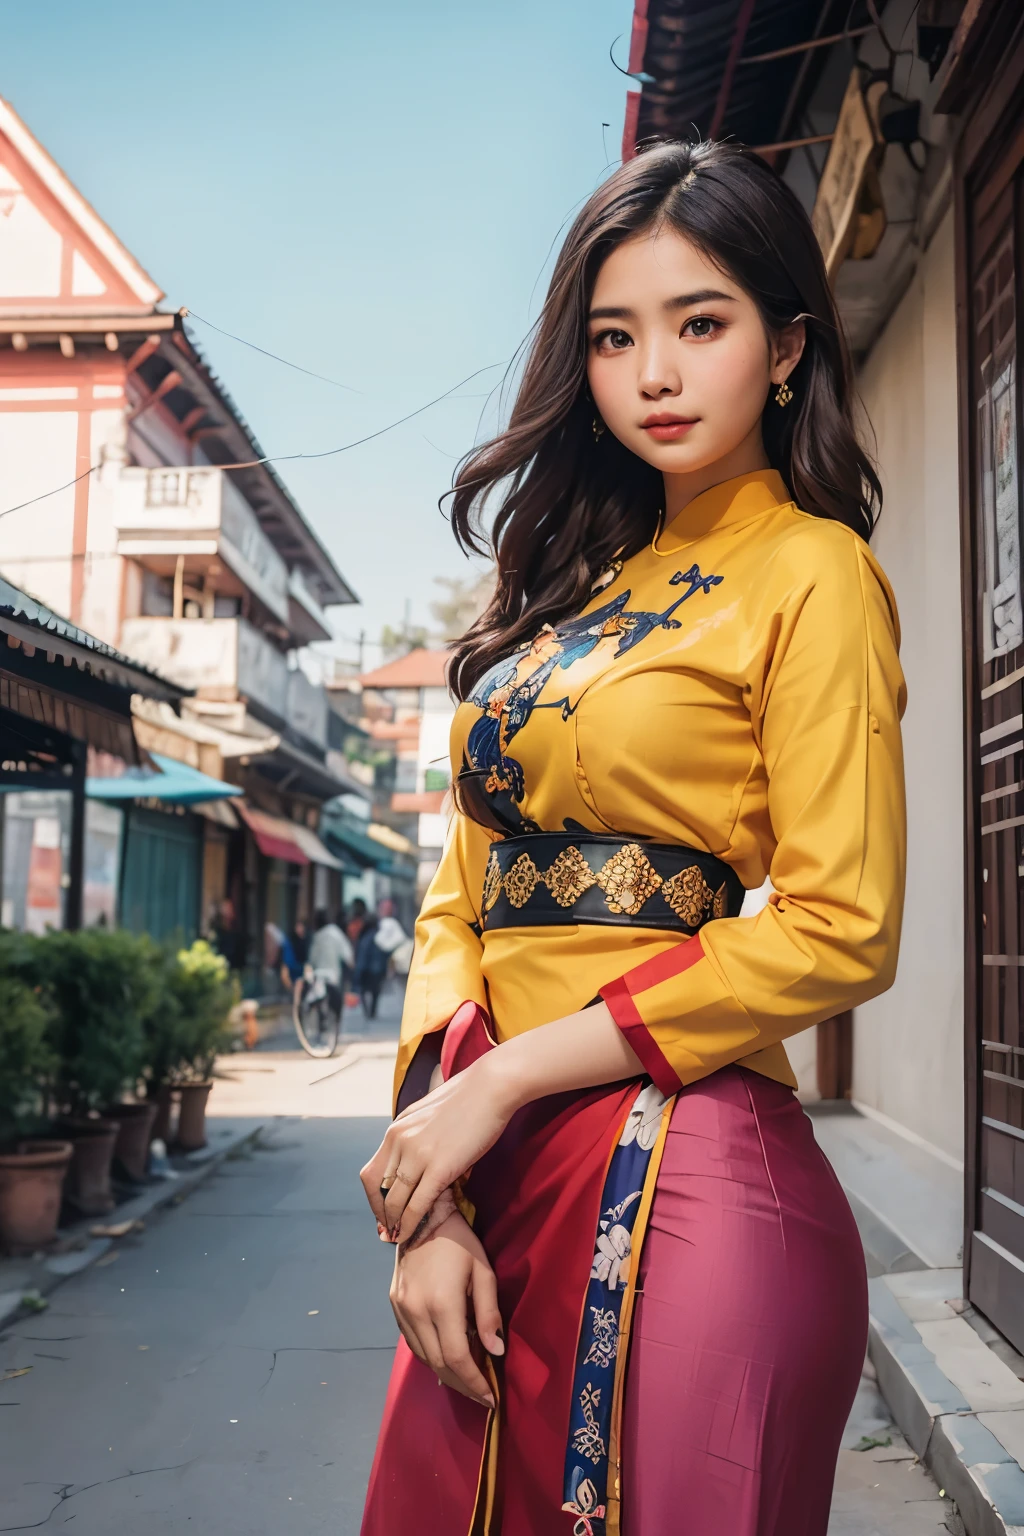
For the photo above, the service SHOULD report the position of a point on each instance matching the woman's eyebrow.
(682, 301)
(701, 296)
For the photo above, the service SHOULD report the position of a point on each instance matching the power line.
(270, 458)
(190, 314)
(54, 492)
(327, 453)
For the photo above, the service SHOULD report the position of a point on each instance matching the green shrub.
(26, 1057)
(188, 1024)
(103, 983)
(207, 992)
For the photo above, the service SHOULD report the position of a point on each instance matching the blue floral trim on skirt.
(586, 1458)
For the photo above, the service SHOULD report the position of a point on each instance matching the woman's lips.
(668, 431)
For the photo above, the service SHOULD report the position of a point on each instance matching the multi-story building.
(136, 501)
(408, 707)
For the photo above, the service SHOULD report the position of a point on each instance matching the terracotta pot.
(30, 1188)
(160, 1130)
(87, 1187)
(192, 1116)
(131, 1151)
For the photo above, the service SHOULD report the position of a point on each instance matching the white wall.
(101, 594)
(38, 452)
(908, 1045)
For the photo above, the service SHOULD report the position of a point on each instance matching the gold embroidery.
(721, 906)
(492, 883)
(521, 880)
(569, 876)
(628, 879)
(689, 896)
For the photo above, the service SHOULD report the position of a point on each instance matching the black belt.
(543, 878)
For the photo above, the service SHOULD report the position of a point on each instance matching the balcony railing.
(221, 658)
(178, 510)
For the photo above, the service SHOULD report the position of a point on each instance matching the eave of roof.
(706, 73)
(32, 623)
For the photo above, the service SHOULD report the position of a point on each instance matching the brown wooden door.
(992, 259)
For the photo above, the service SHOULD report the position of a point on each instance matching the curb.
(43, 1275)
(966, 1458)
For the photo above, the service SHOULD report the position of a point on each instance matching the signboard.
(852, 156)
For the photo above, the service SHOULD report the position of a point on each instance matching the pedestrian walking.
(631, 1290)
(371, 966)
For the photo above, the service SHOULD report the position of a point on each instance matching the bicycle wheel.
(316, 1024)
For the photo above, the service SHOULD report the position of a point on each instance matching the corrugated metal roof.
(27, 613)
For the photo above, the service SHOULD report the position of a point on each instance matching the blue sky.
(372, 191)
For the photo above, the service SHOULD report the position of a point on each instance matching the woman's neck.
(681, 489)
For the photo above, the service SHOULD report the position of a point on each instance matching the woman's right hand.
(441, 1286)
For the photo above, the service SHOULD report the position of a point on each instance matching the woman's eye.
(701, 327)
(617, 341)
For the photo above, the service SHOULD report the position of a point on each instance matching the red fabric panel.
(620, 996)
(627, 1016)
(537, 1194)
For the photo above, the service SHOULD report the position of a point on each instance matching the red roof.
(419, 669)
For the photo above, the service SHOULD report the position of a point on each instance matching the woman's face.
(679, 363)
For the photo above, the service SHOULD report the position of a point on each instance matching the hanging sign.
(848, 175)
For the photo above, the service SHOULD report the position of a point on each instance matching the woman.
(619, 1249)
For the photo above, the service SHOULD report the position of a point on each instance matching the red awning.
(274, 836)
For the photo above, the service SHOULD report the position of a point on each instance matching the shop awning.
(366, 851)
(314, 849)
(275, 837)
(175, 782)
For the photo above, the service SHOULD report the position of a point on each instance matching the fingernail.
(394, 1234)
(380, 1229)
(501, 1334)
(499, 1348)
(489, 1402)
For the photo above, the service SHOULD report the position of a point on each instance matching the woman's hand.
(434, 1142)
(438, 1286)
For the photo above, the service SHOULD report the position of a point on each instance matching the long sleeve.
(445, 970)
(825, 711)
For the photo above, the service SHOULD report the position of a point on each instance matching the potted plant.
(167, 1041)
(102, 983)
(31, 1170)
(206, 992)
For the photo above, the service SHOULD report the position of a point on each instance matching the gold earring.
(783, 394)
(597, 427)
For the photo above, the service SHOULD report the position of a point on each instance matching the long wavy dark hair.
(569, 505)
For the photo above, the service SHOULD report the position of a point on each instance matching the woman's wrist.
(504, 1076)
(582, 1050)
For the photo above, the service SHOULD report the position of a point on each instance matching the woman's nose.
(659, 374)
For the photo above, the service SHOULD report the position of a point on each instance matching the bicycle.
(316, 1018)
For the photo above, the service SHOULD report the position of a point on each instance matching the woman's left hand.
(431, 1144)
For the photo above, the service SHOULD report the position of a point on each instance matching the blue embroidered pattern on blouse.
(586, 1458)
(507, 702)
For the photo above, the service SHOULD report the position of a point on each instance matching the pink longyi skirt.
(751, 1322)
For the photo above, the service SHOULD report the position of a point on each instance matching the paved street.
(224, 1371)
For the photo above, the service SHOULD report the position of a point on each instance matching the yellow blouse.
(739, 692)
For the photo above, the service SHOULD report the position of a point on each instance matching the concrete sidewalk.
(954, 1385)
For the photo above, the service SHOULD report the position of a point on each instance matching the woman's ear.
(787, 350)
